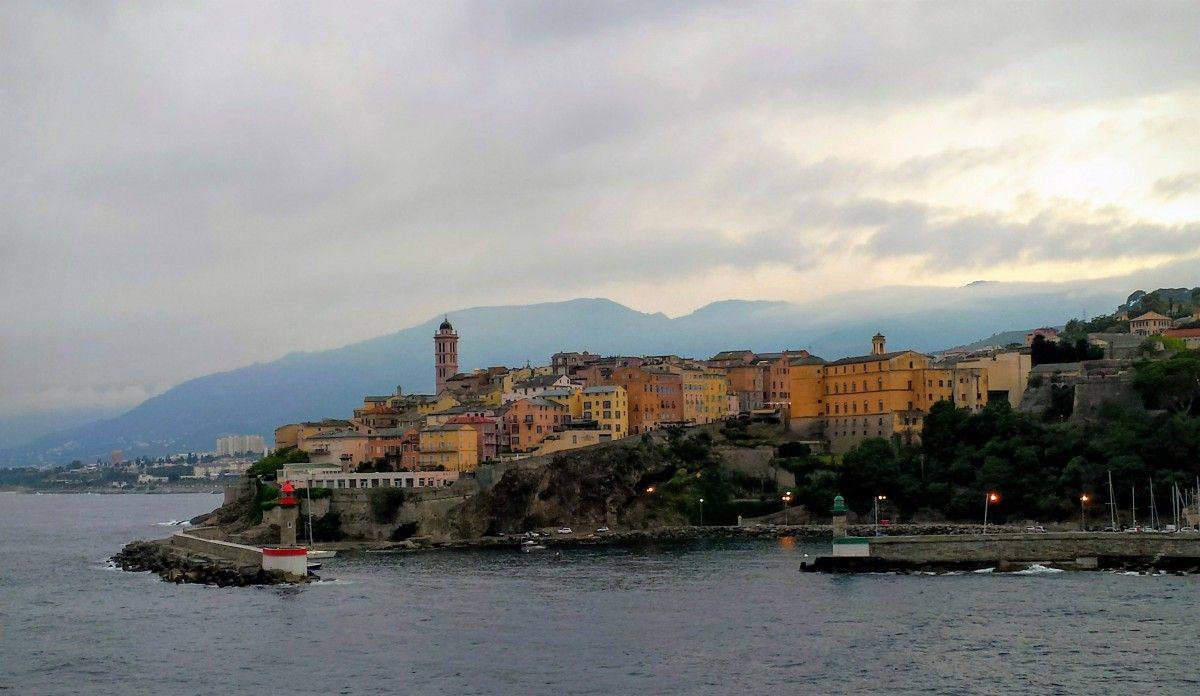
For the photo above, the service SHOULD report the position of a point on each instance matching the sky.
(192, 187)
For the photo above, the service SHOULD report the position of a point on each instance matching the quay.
(1069, 550)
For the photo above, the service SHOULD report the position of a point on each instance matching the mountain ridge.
(303, 385)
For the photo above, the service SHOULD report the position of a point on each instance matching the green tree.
(1172, 384)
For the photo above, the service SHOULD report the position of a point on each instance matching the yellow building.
(571, 398)
(877, 395)
(450, 447)
(714, 396)
(1007, 373)
(572, 439)
(608, 405)
(441, 403)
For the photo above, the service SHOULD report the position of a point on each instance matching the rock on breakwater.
(179, 566)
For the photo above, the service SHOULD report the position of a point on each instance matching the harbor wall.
(238, 553)
(1050, 546)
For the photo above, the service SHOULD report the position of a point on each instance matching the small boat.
(320, 553)
(530, 546)
(313, 567)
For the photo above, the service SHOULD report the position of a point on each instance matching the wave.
(175, 523)
(1037, 569)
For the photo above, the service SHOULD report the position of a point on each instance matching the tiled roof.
(1151, 316)
(874, 358)
(601, 389)
(807, 360)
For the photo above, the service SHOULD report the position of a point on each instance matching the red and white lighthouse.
(445, 354)
(288, 557)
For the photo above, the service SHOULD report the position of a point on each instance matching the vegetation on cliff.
(1040, 469)
(268, 465)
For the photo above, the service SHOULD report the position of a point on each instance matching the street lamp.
(990, 499)
(702, 512)
(877, 499)
(1083, 501)
(649, 489)
(787, 501)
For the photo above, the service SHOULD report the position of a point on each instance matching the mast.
(308, 492)
(1133, 505)
(1112, 502)
(1153, 507)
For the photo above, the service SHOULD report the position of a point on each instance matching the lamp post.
(787, 501)
(877, 499)
(702, 512)
(989, 499)
(1083, 501)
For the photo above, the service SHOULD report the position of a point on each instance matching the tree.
(268, 465)
(1172, 384)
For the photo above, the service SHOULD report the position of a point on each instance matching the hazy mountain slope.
(256, 398)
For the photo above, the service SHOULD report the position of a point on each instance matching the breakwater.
(1073, 550)
(179, 565)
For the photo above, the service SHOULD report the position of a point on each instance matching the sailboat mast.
(1133, 505)
(1153, 507)
(1112, 502)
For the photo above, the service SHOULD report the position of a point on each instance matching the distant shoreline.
(105, 491)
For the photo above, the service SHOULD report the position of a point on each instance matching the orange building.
(528, 421)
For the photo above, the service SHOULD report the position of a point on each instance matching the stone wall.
(238, 553)
(1050, 546)
(428, 509)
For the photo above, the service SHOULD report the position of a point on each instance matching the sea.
(709, 617)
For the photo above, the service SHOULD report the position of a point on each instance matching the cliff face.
(582, 489)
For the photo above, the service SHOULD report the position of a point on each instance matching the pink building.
(445, 355)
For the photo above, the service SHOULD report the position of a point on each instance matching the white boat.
(530, 546)
(314, 554)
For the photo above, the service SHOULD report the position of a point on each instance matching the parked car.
(602, 530)
(1037, 528)
(564, 530)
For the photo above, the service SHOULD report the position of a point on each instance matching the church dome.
(446, 325)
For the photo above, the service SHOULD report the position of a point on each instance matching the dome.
(446, 325)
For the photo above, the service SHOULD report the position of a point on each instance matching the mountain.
(312, 385)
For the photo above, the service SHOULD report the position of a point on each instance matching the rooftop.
(875, 358)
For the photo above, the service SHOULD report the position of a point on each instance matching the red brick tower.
(445, 354)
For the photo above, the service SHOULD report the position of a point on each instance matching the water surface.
(713, 617)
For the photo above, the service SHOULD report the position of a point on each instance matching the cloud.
(1172, 187)
(188, 188)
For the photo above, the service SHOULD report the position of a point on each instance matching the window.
(910, 384)
(881, 407)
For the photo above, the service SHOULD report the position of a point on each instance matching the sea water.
(710, 617)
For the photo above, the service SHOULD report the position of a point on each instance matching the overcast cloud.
(192, 187)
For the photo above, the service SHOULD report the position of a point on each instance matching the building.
(345, 448)
(1046, 332)
(537, 385)
(566, 363)
(445, 355)
(882, 394)
(748, 384)
(806, 395)
(487, 433)
(1007, 373)
(293, 435)
(572, 438)
(608, 405)
(231, 445)
(1149, 324)
(529, 421)
(320, 476)
(448, 447)
(223, 468)
(1190, 337)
